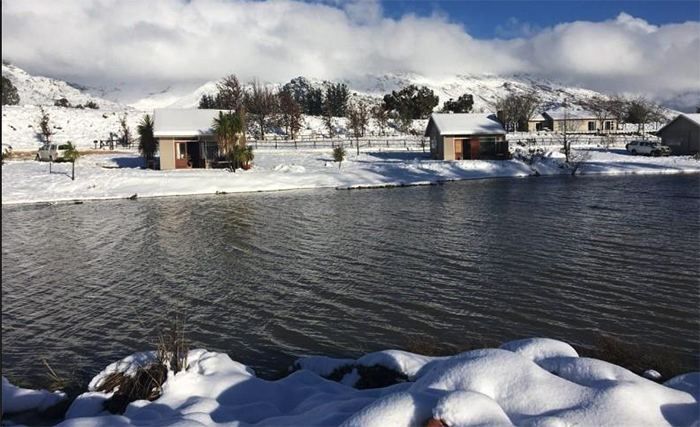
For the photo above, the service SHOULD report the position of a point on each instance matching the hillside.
(485, 89)
(38, 90)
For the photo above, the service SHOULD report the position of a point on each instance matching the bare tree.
(290, 114)
(617, 105)
(642, 111)
(601, 108)
(358, 118)
(566, 126)
(231, 94)
(261, 104)
(45, 129)
(381, 117)
(328, 119)
(516, 109)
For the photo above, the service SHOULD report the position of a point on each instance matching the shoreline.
(79, 201)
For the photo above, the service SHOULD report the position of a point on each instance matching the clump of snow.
(16, 399)
(538, 349)
(538, 382)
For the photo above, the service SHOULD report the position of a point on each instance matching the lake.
(266, 277)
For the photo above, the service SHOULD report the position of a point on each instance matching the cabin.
(577, 121)
(537, 123)
(185, 137)
(682, 134)
(463, 136)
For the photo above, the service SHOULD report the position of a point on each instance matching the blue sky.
(500, 18)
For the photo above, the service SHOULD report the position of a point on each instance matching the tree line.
(265, 108)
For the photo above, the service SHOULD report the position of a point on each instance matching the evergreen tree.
(9, 92)
(463, 104)
(411, 102)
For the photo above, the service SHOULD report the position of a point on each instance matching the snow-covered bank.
(115, 175)
(533, 382)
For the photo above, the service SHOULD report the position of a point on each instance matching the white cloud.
(159, 42)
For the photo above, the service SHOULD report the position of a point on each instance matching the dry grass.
(147, 382)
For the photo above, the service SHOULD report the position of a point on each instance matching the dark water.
(266, 277)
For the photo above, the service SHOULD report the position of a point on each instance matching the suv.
(648, 147)
(51, 152)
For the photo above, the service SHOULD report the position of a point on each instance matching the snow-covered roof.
(465, 124)
(695, 118)
(183, 122)
(563, 114)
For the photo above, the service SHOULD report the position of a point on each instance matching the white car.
(51, 152)
(648, 147)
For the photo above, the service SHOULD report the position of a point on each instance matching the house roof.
(563, 114)
(695, 118)
(465, 124)
(183, 122)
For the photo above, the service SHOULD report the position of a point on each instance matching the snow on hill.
(37, 90)
(485, 88)
(81, 126)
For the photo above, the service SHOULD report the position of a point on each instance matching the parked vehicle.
(649, 148)
(51, 152)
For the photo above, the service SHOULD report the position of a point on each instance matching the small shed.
(185, 137)
(682, 134)
(464, 136)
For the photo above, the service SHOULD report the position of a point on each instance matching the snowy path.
(113, 176)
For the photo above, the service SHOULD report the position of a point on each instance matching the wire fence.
(404, 143)
(611, 140)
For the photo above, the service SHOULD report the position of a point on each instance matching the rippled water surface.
(266, 277)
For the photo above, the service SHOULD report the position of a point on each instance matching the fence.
(404, 143)
(611, 140)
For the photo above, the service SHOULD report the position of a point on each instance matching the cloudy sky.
(616, 46)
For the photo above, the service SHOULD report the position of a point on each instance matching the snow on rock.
(400, 361)
(690, 383)
(538, 349)
(16, 399)
(475, 388)
(322, 365)
(456, 409)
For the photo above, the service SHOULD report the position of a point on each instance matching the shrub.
(339, 155)
(62, 102)
(92, 104)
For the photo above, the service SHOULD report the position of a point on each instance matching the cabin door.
(459, 149)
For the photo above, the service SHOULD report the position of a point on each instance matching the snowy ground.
(531, 382)
(119, 175)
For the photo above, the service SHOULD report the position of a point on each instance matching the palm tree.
(71, 154)
(228, 128)
(147, 142)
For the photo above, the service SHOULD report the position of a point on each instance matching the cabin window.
(608, 125)
(591, 125)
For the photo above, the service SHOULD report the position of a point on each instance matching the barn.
(682, 134)
(465, 136)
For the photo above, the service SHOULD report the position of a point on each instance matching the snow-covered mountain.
(44, 91)
(485, 88)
